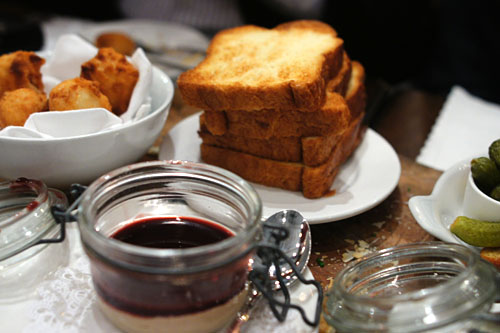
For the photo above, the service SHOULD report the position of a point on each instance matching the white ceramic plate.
(155, 34)
(152, 33)
(436, 212)
(364, 181)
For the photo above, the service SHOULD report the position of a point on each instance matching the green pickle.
(494, 152)
(495, 193)
(477, 232)
(485, 174)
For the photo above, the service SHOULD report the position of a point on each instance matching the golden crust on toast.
(264, 124)
(253, 68)
(280, 149)
(314, 182)
(310, 150)
(286, 175)
(340, 82)
(333, 117)
(283, 107)
(356, 91)
(492, 255)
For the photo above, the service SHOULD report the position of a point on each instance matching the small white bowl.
(437, 211)
(60, 162)
(478, 205)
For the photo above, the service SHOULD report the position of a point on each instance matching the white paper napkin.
(465, 128)
(61, 124)
(64, 63)
(66, 59)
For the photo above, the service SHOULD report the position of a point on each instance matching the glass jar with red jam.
(170, 245)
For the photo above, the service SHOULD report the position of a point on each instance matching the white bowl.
(478, 205)
(437, 211)
(60, 162)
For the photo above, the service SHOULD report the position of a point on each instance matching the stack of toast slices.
(283, 107)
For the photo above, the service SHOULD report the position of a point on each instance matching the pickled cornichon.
(485, 174)
(477, 232)
(494, 152)
(495, 193)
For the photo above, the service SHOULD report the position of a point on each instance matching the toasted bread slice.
(332, 117)
(492, 255)
(340, 82)
(315, 149)
(314, 182)
(356, 92)
(280, 149)
(253, 68)
(317, 181)
(311, 150)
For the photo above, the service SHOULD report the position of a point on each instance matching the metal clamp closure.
(62, 215)
(271, 255)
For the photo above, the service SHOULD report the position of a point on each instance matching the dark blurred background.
(428, 45)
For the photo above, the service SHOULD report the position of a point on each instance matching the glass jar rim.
(460, 289)
(43, 199)
(407, 250)
(239, 184)
(36, 186)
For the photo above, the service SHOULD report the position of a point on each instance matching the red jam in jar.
(172, 232)
(151, 296)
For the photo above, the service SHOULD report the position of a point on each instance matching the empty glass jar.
(426, 287)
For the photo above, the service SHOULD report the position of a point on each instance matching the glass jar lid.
(25, 214)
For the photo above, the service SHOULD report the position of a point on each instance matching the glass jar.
(191, 289)
(25, 219)
(426, 287)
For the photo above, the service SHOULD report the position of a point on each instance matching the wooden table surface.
(405, 121)
(388, 224)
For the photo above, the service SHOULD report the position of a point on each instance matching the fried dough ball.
(116, 76)
(120, 42)
(17, 105)
(20, 69)
(77, 93)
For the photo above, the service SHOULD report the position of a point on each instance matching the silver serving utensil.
(176, 60)
(297, 246)
(181, 56)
